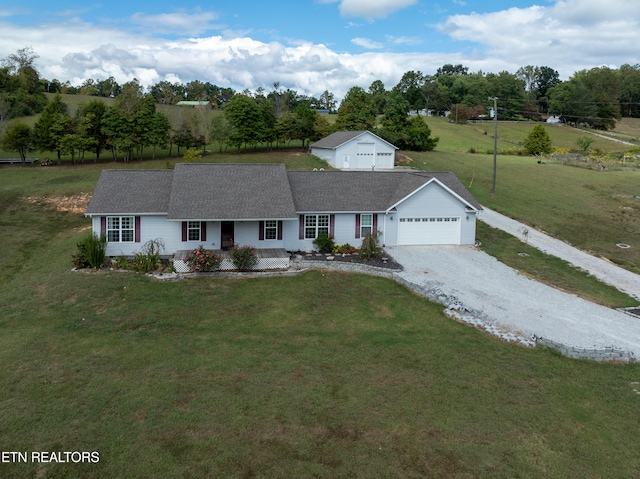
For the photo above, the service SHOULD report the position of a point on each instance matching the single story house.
(349, 150)
(266, 206)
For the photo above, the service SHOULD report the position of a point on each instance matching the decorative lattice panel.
(268, 259)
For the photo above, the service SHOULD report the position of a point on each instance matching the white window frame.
(270, 229)
(315, 225)
(366, 226)
(194, 230)
(116, 230)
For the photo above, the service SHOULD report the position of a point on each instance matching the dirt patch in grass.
(72, 203)
(402, 159)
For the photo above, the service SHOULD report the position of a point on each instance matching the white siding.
(363, 152)
(434, 201)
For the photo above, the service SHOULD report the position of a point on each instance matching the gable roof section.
(339, 138)
(452, 184)
(203, 191)
(131, 192)
(358, 191)
(200, 191)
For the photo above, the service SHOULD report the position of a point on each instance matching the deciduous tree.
(356, 111)
(52, 125)
(18, 137)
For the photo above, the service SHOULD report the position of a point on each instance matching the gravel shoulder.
(501, 297)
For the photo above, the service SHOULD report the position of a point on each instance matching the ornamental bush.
(370, 247)
(91, 252)
(201, 260)
(149, 258)
(344, 249)
(243, 257)
(324, 243)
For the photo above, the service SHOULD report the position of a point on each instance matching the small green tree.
(18, 137)
(584, 142)
(538, 141)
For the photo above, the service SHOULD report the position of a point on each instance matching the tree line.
(596, 98)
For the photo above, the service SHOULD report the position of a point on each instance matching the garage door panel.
(431, 230)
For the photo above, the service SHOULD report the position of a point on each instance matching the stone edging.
(594, 354)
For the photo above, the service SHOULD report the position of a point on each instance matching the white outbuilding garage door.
(431, 230)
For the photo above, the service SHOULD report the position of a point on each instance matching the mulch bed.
(385, 261)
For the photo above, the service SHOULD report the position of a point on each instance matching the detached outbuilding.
(355, 150)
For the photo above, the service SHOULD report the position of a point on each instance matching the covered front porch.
(269, 259)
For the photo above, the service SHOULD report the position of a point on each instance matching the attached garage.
(429, 230)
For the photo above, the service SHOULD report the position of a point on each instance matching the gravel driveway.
(605, 271)
(508, 303)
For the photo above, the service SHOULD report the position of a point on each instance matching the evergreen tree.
(538, 141)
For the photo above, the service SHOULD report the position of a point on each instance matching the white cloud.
(366, 43)
(568, 36)
(194, 23)
(371, 9)
(404, 40)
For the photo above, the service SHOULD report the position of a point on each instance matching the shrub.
(201, 260)
(370, 247)
(91, 252)
(80, 260)
(120, 262)
(585, 142)
(243, 257)
(344, 249)
(192, 154)
(324, 243)
(149, 258)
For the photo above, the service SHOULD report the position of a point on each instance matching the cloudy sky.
(315, 45)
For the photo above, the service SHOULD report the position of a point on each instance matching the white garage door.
(431, 230)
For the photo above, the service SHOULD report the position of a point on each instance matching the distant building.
(198, 105)
(355, 150)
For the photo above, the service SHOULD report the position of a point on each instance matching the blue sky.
(316, 45)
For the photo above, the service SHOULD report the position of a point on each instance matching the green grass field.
(315, 375)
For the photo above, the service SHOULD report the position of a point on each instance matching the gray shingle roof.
(357, 191)
(200, 191)
(230, 192)
(336, 139)
(131, 191)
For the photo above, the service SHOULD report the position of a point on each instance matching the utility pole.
(495, 142)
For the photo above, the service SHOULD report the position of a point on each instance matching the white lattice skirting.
(268, 259)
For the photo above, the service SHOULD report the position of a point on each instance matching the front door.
(226, 239)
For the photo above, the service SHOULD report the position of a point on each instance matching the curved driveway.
(506, 301)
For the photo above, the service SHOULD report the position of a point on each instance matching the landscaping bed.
(385, 261)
